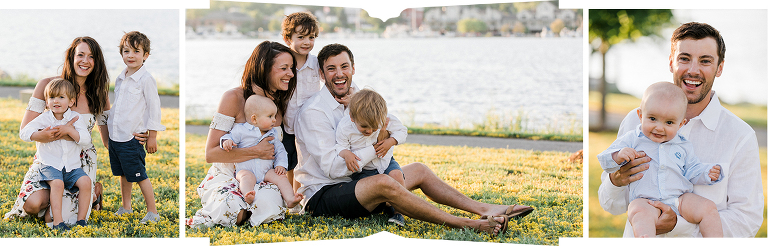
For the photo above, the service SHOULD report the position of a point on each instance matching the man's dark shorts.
(339, 199)
(48, 173)
(127, 159)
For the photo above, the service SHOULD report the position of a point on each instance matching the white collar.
(710, 116)
(135, 76)
(311, 63)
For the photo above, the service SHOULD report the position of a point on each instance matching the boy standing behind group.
(136, 110)
(299, 32)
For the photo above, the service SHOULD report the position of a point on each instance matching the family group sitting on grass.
(681, 154)
(59, 185)
(343, 165)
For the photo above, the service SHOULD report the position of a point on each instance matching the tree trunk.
(603, 93)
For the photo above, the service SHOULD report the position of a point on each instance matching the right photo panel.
(677, 123)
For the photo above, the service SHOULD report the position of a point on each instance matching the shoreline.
(470, 141)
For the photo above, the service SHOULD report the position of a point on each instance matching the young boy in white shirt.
(299, 32)
(674, 168)
(136, 110)
(260, 112)
(367, 116)
(61, 158)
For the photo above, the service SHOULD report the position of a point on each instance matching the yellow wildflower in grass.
(544, 180)
(162, 168)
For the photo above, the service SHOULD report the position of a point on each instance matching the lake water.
(33, 42)
(445, 81)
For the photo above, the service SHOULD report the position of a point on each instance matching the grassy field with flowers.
(162, 168)
(544, 180)
(602, 223)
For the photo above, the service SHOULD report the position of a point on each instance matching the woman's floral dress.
(222, 201)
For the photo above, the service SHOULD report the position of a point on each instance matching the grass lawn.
(544, 180)
(602, 223)
(162, 167)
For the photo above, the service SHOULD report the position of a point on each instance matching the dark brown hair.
(97, 82)
(257, 71)
(305, 20)
(697, 31)
(134, 40)
(333, 50)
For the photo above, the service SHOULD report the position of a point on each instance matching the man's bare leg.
(419, 176)
(374, 190)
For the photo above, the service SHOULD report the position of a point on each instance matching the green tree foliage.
(471, 25)
(608, 27)
(377, 23)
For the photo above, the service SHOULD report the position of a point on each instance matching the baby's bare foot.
(250, 196)
(295, 201)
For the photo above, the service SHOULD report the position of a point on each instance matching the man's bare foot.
(297, 197)
(493, 225)
(250, 196)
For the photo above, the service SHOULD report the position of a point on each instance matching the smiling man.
(322, 172)
(718, 136)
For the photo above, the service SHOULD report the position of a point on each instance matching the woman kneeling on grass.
(83, 65)
(269, 72)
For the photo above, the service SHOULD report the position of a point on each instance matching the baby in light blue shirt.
(260, 115)
(673, 169)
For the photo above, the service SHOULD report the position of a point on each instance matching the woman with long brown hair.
(84, 66)
(268, 72)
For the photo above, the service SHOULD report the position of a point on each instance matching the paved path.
(485, 142)
(11, 91)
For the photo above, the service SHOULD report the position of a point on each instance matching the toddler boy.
(61, 158)
(367, 115)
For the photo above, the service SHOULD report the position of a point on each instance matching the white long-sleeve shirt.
(718, 136)
(349, 137)
(60, 153)
(136, 108)
(320, 163)
(308, 83)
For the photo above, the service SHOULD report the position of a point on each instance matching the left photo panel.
(89, 123)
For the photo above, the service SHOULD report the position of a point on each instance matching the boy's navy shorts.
(289, 142)
(48, 173)
(393, 165)
(127, 159)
